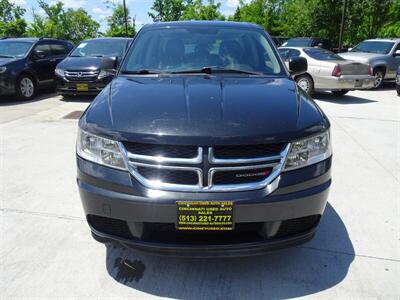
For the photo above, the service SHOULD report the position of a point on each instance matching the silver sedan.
(328, 71)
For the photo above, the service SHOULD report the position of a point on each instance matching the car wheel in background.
(379, 74)
(306, 83)
(398, 90)
(340, 92)
(26, 87)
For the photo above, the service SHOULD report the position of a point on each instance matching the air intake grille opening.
(169, 176)
(110, 226)
(298, 225)
(247, 151)
(241, 176)
(173, 151)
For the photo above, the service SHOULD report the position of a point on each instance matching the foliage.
(198, 11)
(58, 22)
(168, 10)
(11, 22)
(116, 23)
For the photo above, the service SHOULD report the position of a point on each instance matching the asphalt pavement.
(46, 249)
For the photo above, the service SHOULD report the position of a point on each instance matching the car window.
(322, 54)
(43, 47)
(284, 53)
(297, 43)
(184, 49)
(293, 53)
(59, 49)
(99, 48)
(14, 49)
(379, 47)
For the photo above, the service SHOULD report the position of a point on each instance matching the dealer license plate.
(82, 87)
(205, 215)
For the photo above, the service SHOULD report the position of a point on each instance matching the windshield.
(321, 54)
(99, 48)
(14, 49)
(297, 43)
(175, 50)
(374, 47)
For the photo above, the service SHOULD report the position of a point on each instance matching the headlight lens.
(309, 151)
(59, 72)
(3, 69)
(100, 150)
(103, 74)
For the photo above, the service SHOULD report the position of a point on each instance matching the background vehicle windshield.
(99, 48)
(321, 54)
(297, 43)
(373, 47)
(14, 49)
(180, 50)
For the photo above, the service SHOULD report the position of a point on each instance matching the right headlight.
(3, 69)
(309, 151)
(100, 150)
(59, 72)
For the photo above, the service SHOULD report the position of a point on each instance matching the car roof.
(384, 40)
(33, 39)
(201, 23)
(109, 39)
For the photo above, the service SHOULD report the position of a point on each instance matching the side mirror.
(109, 64)
(349, 49)
(297, 65)
(396, 53)
(39, 54)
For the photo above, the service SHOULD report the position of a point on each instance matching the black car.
(308, 42)
(398, 81)
(87, 69)
(204, 145)
(27, 64)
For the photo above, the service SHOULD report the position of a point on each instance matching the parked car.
(308, 42)
(279, 40)
(328, 71)
(398, 81)
(27, 64)
(382, 54)
(87, 69)
(203, 145)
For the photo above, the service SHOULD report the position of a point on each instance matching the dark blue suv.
(28, 64)
(203, 145)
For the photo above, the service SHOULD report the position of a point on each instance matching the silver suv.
(382, 54)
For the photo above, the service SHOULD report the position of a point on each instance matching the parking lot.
(47, 251)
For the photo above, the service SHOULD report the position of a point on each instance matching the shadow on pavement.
(12, 101)
(346, 99)
(77, 99)
(303, 270)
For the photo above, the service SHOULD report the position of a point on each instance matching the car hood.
(80, 63)
(360, 56)
(203, 110)
(6, 60)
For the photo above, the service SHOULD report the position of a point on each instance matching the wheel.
(398, 90)
(379, 74)
(340, 92)
(25, 88)
(306, 83)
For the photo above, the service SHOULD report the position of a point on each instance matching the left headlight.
(100, 150)
(3, 69)
(309, 151)
(103, 74)
(59, 72)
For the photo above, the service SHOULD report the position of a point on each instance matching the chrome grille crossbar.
(206, 171)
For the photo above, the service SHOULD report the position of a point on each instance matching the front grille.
(169, 176)
(110, 226)
(162, 150)
(247, 151)
(198, 169)
(241, 176)
(297, 226)
(81, 75)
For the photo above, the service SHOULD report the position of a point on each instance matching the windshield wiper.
(215, 69)
(75, 56)
(7, 56)
(142, 71)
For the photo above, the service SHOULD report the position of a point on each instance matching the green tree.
(116, 23)
(198, 11)
(168, 10)
(11, 22)
(70, 24)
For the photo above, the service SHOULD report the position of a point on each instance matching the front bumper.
(7, 84)
(118, 208)
(344, 82)
(66, 87)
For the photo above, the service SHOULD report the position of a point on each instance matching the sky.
(99, 11)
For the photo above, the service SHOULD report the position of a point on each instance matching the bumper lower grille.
(298, 225)
(110, 226)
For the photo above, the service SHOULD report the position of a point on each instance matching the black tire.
(379, 76)
(306, 83)
(398, 90)
(26, 87)
(340, 93)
